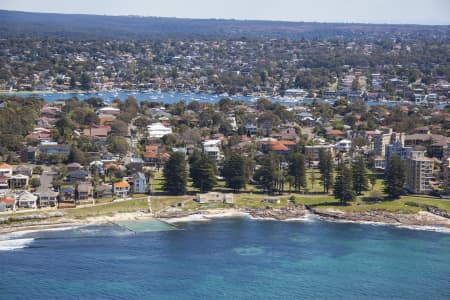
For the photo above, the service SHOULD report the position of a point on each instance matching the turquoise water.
(230, 259)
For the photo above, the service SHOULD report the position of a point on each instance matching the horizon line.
(224, 19)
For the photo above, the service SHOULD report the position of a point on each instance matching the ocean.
(227, 259)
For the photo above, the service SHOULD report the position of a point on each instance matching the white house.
(121, 189)
(343, 146)
(158, 130)
(27, 200)
(211, 148)
(109, 111)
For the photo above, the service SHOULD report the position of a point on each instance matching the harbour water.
(228, 259)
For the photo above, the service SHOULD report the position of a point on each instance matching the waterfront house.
(67, 194)
(104, 190)
(84, 191)
(27, 200)
(47, 197)
(139, 183)
(121, 189)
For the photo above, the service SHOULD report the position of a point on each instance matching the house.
(312, 152)
(27, 200)
(18, 181)
(251, 129)
(6, 170)
(136, 164)
(67, 194)
(84, 191)
(139, 183)
(214, 197)
(335, 134)
(24, 170)
(54, 149)
(281, 147)
(158, 130)
(73, 167)
(109, 110)
(4, 186)
(99, 131)
(96, 166)
(77, 176)
(104, 190)
(343, 146)
(121, 189)
(7, 203)
(211, 148)
(47, 197)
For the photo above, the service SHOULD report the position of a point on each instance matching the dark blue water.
(231, 259)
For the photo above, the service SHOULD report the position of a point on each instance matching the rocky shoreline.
(429, 218)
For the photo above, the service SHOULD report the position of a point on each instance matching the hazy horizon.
(432, 12)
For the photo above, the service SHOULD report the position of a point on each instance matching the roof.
(84, 187)
(151, 148)
(5, 166)
(121, 184)
(8, 200)
(334, 132)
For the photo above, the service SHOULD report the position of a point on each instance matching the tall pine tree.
(395, 177)
(236, 172)
(326, 169)
(203, 173)
(360, 177)
(343, 186)
(296, 170)
(175, 174)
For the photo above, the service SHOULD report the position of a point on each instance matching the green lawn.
(107, 209)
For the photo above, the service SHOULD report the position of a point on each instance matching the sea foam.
(14, 244)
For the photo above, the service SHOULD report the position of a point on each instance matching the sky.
(432, 12)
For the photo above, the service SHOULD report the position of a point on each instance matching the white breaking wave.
(8, 245)
(191, 218)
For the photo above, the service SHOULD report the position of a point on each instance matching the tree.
(313, 179)
(85, 82)
(268, 176)
(117, 145)
(297, 170)
(175, 174)
(343, 187)
(395, 177)
(360, 178)
(35, 182)
(235, 171)
(203, 172)
(76, 155)
(373, 181)
(326, 169)
(119, 127)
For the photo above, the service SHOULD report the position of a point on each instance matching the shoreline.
(419, 221)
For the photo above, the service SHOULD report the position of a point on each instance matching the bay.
(230, 259)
